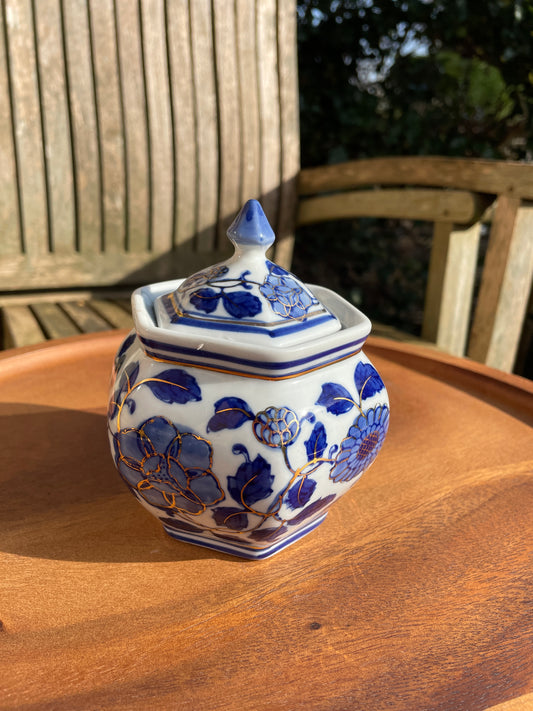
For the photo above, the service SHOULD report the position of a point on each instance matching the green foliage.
(392, 77)
(405, 77)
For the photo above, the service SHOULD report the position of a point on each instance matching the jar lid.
(247, 298)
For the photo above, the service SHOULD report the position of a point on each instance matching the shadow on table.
(63, 499)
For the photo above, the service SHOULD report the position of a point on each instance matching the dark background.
(405, 77)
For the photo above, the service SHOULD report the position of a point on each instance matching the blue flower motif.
(276, 426)
(286, 296)
(240, 304)
(205, 300)
(362, 444)
(169, 469)
(205, 276)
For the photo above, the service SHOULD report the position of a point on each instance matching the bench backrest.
(131, 134)
(457, 195)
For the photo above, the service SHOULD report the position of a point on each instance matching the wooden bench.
(129, 140)
(130, 135)
(458, 196)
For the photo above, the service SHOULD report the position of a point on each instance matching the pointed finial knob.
(251, 228)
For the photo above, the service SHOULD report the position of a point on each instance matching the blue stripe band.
(203, 355)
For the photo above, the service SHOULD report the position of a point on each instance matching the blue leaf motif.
(335, 398)
(276, 269)
(230, 517)
(127, 343)
(112, 410)
(180, 525)
(312, 509)
(174, 386)
(205, 300)
(131, 373)
(121, 355)
(268, 534)
(317, 442)
(367, 380)
(252, 481)
(300, 493)
(126, 382)
(230, 413)
(240, 304)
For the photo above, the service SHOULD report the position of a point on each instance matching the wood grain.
(505, 285)
(489, 196)
(11, 242)
(84, 128)
(485, 176)
(134, 132)
(416, 204)
(182, 95)
(161, 150)
(450, 286)
(54, 321)
(229, 116)
(25, 91)
(413, 594)
(20, 327)
(205, 116)
(290, 134)
(56, 126)
(493, 277)
(266, 30)
(137, 167)
(247, 58)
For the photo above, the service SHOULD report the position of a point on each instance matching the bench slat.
(54, 321)
(109, 117)
(87, 176)
(185, 169)
(159, 125)
(86, 319)
(505, 285)
(56, 126)
(481, 175)
(458, 206)
(229, 115)
(20, 327)
(135, 128)
(11, 242)
(113, 312)
(270, 135)
(450, 286)
(28, 135)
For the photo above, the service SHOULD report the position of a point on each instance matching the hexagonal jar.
(242, 405)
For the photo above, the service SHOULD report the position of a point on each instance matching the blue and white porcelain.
(242, 405)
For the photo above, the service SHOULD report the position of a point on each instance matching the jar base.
(241, 550)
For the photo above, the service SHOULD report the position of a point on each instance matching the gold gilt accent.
(267, 324)
(227, 371)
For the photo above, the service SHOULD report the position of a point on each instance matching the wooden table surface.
(415, 593)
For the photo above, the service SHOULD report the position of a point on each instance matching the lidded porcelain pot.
(242, 405)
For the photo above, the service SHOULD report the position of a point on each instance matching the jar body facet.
(242, 464)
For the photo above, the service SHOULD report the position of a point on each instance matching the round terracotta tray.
(415, 593)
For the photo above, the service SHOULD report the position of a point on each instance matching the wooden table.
(415, 593)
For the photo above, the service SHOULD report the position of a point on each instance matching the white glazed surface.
(242, 405)
(302, 442)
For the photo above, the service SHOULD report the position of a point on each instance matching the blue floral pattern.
(365, 437)
(276, 426)
(212, 288)
(167, 467)
(233, 294)
(286, 296)
(362, 444)
(171, 468)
